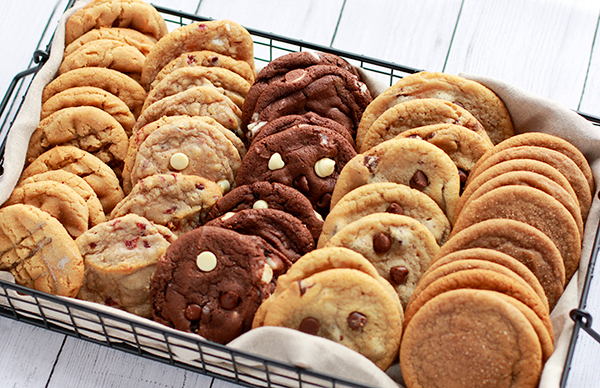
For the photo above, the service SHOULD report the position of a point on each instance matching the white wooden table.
(544, 46)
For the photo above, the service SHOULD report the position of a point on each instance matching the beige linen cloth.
(529, 113)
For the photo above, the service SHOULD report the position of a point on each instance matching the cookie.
(197, 101)
(386, 197)
(115, 82)
(328, 91)
(210, 281)
(206, 58)
(225, 81)
(142, 42)
(559, 161)
(81, 187)
(221, 36)
(85, 127)
(486, 106)
(190, 148)
(56, 199)
(519, 240)
(106, 53)
(91, 96)
(133, 14)
(400, 248)
(178, 202)
(96, 173)
(310, 160)
(260, 130)
(37, 250)
(283, 231)
(346, 306)
(300, 60)
(120, 258)
(412, 162)
(418, 113)
(272, 195)
(472, 338)
(533, 207)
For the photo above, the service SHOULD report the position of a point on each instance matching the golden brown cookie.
(142, 42)
(37, 250)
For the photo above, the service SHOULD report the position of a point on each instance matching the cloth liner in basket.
(529, 113)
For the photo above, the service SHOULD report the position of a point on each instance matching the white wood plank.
(83, 364)
(540, 46)
(410, 33)
(188, 6)
(28, 354)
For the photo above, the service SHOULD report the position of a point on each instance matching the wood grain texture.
(540, 46)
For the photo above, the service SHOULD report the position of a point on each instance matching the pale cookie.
(486, 106)
(133, 14)
(418, 113)
(143, 43)
(225, 81)
(558, 160)
(197, 101)
(221, 36)
(533, 207)
(136, 141)
(519, 240)
(178, 202)
(37, 250)
(107, 53)
(96, 173)
(205, 151)
(91, 96)
(86, 127)
(81, 187)
(410, 162)
(346, 306)
(117, 83)
(386, 197)
(470, 338)
(120, 258)
(206, 58)
(399, 247)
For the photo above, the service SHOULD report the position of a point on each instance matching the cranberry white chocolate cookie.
(140, 41)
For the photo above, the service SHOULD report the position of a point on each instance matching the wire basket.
(150, 340)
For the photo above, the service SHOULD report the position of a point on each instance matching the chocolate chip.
(395, 208)
(415, 136)
(192, 312)
(398, 274)
(324, 201)
(199, 186)
(462, 174)
(310, 325)
(371, 162)
(356, 320)
(419, 180)
(430, 136)
(229, 300)
(381, 243)
(301, 184)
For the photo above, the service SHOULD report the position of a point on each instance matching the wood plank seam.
(587, 73)
(56, 361)
(462, 3)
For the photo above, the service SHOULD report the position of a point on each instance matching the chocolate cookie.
(309, 160)
(37, 250)
(486, 106)
(418, 113)
(283, 231)
(272, 195)
(210, 281)
(301, 60)
(142, 42)
(222, 36)
(412, 162)
(120, 258)
(386, 197)
(176, 201)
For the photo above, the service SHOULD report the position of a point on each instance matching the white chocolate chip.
(206, 261)
(317, 57)
(254, 127)
(363, 88)
(218, 41)
(227, 216)
(179, 161)
(320, 217)
(276, 162)
(225, 185)
(267, 274)
(271, 263)
(260, 204)
(325, 167)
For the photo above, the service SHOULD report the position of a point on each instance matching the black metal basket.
(146, 338)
